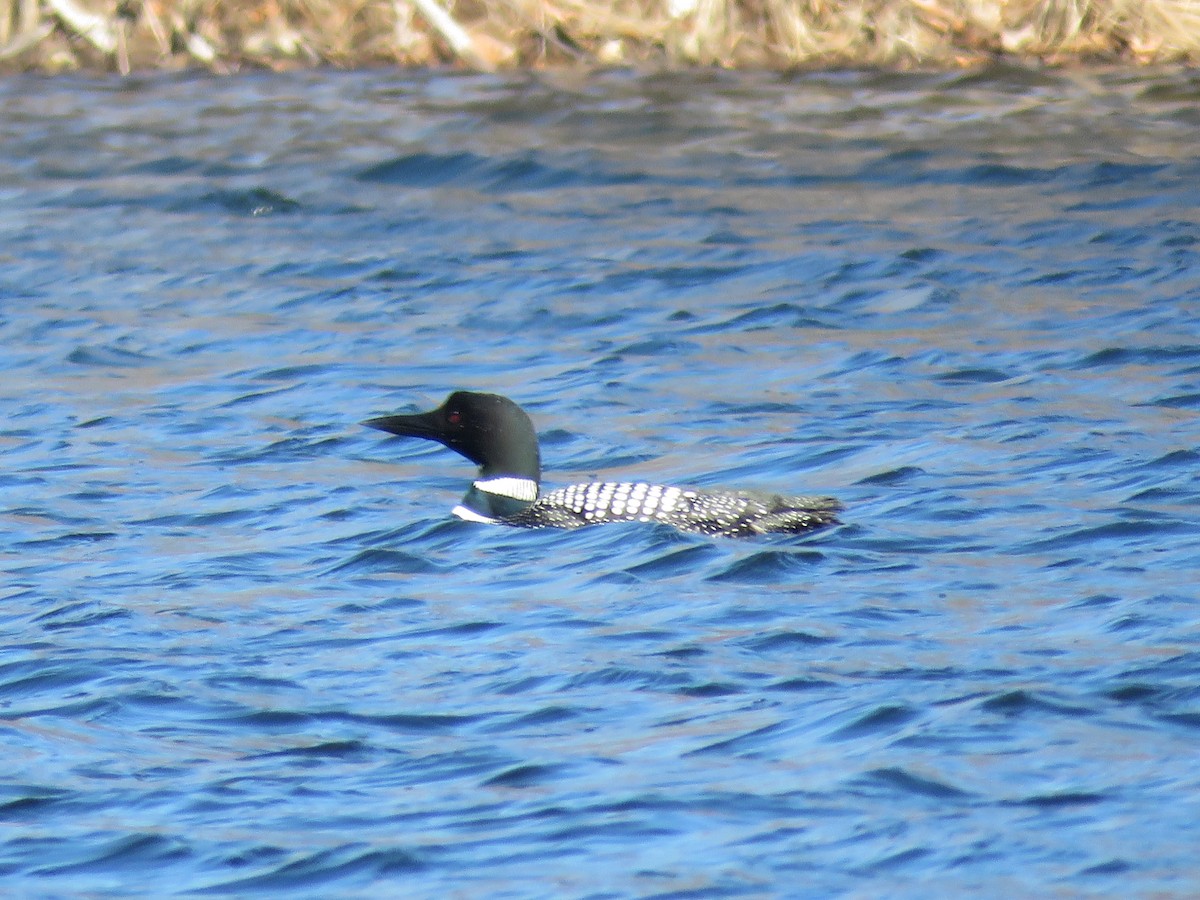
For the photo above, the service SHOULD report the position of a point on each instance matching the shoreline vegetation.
(226, 36)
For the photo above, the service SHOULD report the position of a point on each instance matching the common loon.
(498, 436)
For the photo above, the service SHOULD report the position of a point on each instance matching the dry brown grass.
(223, 35)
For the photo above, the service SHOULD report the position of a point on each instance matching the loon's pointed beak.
(422, 425)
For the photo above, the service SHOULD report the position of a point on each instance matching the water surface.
(246, 649)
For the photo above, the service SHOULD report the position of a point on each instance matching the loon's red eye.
(454, 418)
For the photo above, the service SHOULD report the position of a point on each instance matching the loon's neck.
(494, 496)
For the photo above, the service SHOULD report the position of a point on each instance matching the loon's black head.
(490, 430)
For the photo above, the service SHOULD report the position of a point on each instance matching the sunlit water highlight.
(245, 649)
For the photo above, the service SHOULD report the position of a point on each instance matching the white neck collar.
(509, 486)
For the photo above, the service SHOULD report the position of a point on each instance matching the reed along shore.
(225, 36)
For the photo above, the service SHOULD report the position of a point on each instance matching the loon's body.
(497, 435)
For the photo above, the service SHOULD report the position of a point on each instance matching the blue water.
(246, 650)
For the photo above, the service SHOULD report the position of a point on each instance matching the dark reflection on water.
(246, 649)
